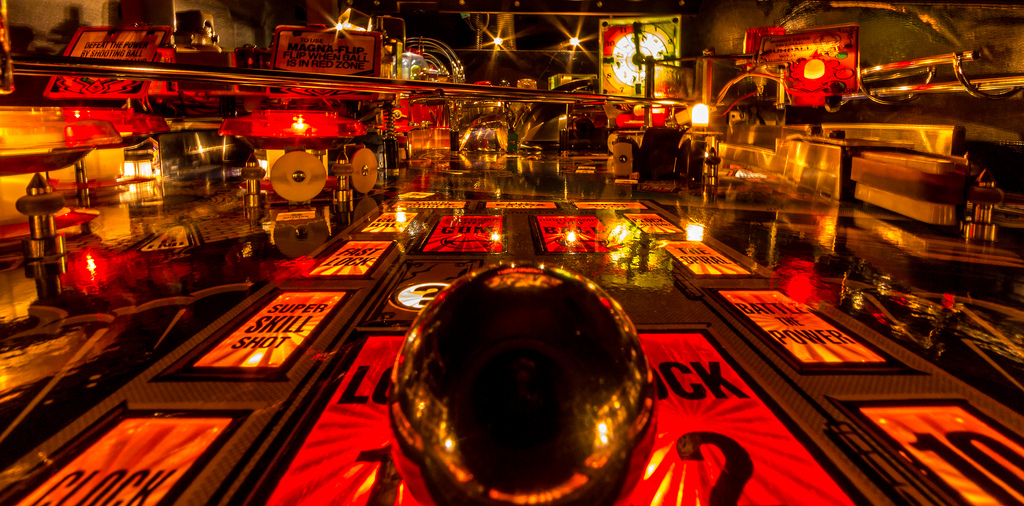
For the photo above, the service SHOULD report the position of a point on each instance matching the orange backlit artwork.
(977, 461)
(269, 337)
(431, 204)
(702, 259)
(609, 205)
(390, 223)
(808, 338)
(355, 258)
(139, 461)
(521, 205)
(653, 224)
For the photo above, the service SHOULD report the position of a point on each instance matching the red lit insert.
(390, 223)
(804, 335)
(977, 461)
(521, 205)
(565, 234)
(702, 259)
(268, 338)
(355, 258)
(466, 234)
(653, 224)
(608, 205)
(139, 461)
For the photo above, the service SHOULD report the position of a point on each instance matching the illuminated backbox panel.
(653, 224)
(800, 335)
(466, 234)
(139, 460)
(714, 436)
(269, 339)
(703, 260)
(521, 205)
(608, 205)
(390, 223)
(974, 461)
(354, 259)
(572, 234)
(109, 43)
(430, 204)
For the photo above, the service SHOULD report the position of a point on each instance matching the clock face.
(620, 74)
(624, 68)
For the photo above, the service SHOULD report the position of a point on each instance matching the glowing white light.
(694, 232)
(699, 114)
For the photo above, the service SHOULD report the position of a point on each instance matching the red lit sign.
(269, 337)
(139, 461)
(431, 204)
(340, 459)
(608, 205)
(715, 434)
(565, 234)
(702, 259)
(325, 51)
(354, 259)
(521, 205)
(466, 234)
(975, 460)
(390, 223)
(124, 44)
(822, 62)
(806, 337)
(653, 224)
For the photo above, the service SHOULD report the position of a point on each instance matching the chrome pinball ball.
(521, 384)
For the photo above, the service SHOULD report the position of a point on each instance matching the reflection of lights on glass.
(495, 237)
(498, 41)
(574, 42)
(695, 232)
(700, 115)
(91, 265)
(299, 124)
(570, 237)
(254, 359)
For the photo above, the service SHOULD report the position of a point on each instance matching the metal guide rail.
(99, 68)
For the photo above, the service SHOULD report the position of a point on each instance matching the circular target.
(298, 176)
(365, 174)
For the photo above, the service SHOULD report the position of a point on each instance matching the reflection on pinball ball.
(521, 385)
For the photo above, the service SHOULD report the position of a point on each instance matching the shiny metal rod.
(6, 70)
(91, 67)
(989, 84)
(928, 61)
